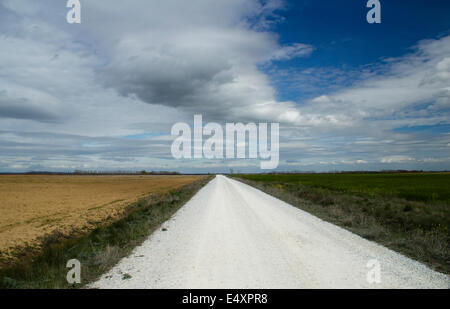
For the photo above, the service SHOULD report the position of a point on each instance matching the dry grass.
(34, 206)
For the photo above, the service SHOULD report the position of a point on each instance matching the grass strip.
(99, 250)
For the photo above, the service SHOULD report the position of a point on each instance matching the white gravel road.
(230, 235)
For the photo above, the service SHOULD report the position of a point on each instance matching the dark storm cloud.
(42, 143)
(22, 109)
(167, 80)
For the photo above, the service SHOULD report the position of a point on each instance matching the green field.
(424, 187)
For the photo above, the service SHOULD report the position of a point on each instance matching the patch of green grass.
(99, 250)
(419, 229)
(126, 276)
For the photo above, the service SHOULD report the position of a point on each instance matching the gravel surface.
(230, 235)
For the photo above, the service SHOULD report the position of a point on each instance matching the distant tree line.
(143, 172)
(343, 172)
(95, 172)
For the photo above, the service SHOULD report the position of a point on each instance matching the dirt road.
(231, 235)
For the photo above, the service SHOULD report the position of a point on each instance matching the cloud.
(293, 51)
(201, 57)
(412, 88)
(22, 108)
(396, 159)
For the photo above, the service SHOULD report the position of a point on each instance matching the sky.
(104, 94)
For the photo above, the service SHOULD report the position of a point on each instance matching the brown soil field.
(32, 206)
